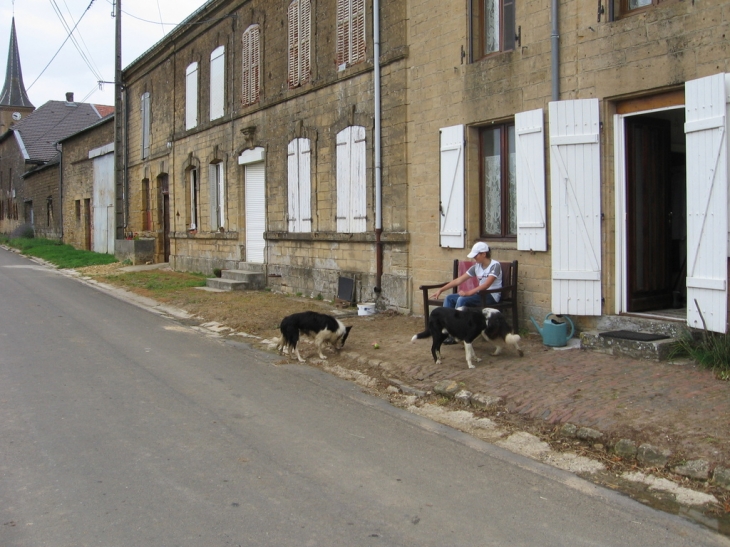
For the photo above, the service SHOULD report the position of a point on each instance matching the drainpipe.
(60, 186)
(378, 166)
(555, 50)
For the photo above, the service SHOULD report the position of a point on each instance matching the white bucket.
(366, 309)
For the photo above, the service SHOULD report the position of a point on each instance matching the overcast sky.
(41, 32)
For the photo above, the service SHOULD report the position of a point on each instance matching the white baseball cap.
(479, 247)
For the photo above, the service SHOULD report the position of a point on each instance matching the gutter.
(555, 51)
(378, 162)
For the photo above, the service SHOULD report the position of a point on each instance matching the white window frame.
(191, 96)
(350, 40)
(250, 65)
(217, 83)
(299, 42)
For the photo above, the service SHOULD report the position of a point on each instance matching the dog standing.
(467, 324)
(324, 328)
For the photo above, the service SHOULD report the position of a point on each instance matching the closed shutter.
(707, 202)
(357, 50)
(250, 66)
(531, 204)
(191, 96)
(351, 180)
(217, 83)
(305, 39)
(213, 193)
(342, 47)
(145, 108)
(255, 198)
(451, 192)
(305, 185)
(350, 47)
(293, 39)
(575, 180)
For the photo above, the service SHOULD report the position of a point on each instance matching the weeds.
(710, 351)
(159, 282)
(63, 256)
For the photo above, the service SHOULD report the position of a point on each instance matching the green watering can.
(555, 333)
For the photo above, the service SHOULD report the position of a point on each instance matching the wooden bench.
(508, 290)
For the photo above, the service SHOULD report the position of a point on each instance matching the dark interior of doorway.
(656, 211)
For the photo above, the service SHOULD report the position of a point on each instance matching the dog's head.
(341, 340)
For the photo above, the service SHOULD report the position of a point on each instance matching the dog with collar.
(324, 328)
(467, 324)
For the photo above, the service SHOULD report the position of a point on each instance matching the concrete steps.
(250, 277)
(657, 350)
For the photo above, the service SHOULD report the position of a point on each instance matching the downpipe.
(378, 161)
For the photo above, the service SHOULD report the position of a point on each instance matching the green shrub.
(710, 350)
(55, 252)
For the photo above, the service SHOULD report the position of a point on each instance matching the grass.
(710, 351)
(55, 252)
(158, 283)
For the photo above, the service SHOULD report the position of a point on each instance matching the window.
(350, 32)
(146, 205)
(251, 66)
(217, 83)
(497, 173)
(351, 191)
(217, 196)
(300, 25)
(492, 27)
(78, 210)
(49, 211)
(191, 96)
(145, 114)
(193, 199)
(300, 187)
(628, 7)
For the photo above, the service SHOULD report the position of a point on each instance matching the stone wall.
(42, 190)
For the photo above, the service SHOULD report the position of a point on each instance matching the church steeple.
(13, 93)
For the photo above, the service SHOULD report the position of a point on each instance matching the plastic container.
(367, 308)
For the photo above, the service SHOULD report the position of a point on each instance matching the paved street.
(124, 427)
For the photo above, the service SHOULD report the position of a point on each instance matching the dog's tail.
(421, 335)
(512, 338)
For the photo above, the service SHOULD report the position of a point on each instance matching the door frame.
(621, 294)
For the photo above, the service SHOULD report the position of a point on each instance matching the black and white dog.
(467, 324)
(325, 329)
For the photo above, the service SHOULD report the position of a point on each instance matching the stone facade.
(42, 197)
(78, 181)
(308, 263)
(12, 167)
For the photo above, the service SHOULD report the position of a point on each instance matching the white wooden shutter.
(191, 96)
(305, 39)
(250, 66)
(575, 184)
(213, 194)
(707, 202)
(255, 198)
(145, 112)
(293, 39)
(351, 180)
(342, 46)
(350, 46)
(299, 206)
(531, 204)
(451, 205)
(357, 48)
(217, 83)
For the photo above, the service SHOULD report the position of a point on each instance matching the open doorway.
(655, 198)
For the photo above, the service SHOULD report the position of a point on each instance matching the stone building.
(251, 131)
(42, 198)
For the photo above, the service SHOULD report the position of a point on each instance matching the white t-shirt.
(494, 269)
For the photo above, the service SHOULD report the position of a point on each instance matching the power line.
(86, 60)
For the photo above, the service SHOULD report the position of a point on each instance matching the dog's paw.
(415, 337)
(472, 366)
(321, 356)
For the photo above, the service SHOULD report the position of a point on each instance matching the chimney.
(70, 97)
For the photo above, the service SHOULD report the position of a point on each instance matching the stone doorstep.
(658, 350)
(233, 280)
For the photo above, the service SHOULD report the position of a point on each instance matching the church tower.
(14, 102)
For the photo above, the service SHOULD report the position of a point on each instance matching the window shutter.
(145, 107)
(575, 191)
(213, 193)
(217, 83)
(255, 64)
(707, 202)
(250, 66)
(351, 180)
(305, 35)
(343, 180)
(293, 76)
(451, 205)
(343, 33)
(531, 207)
(191, 96)
(305, 185)
(358, 32)
(293, 186)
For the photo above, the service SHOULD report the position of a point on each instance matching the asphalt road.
(121, 427)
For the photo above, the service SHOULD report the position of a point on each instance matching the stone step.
(656, 350)
(236, 280)
(251, 267)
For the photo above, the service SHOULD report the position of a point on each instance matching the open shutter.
(575, 180)
(305, 186)
(191, 96)
(531, 205)
(343, 142)
(213, 194)
(707, 202)
(293, 186)
(217, 83)
(451, 205)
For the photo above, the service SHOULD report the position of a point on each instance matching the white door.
(575, 211)
(103, 205)
(451, 204)
(255, 197)
(530, 181)
(707, 202)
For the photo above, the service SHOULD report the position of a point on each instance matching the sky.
(41, 34)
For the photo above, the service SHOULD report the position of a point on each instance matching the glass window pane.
(492, 181)
(512, 193)
(491, 26)
(634, 4)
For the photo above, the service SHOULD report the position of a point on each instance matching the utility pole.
(120, 213)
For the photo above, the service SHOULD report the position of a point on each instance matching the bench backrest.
(461, 267)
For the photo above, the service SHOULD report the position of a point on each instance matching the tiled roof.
(104, 110)
(44, 127)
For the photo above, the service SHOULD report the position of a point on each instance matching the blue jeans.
(456, 301)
